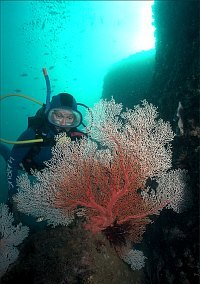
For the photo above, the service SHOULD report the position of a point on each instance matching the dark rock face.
(68, 255)
(172, 242)
(176, 76)
(129, 80)
(171, 245)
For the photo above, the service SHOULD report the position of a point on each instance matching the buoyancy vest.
(42, 128)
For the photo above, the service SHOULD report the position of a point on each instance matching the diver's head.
(63, 111)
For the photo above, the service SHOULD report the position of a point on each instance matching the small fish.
(36, 78)
(17, 91)
(43, 25)
(53, 13)
(46, 53)
(24, 75)
(40, 219)
(51, 67)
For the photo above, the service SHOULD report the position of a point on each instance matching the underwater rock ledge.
(69, 255)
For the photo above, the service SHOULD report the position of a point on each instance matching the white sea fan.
(172, 187)
(36, 199)
(11, 237)
(135, 258)
(171, 190)
(132, 148)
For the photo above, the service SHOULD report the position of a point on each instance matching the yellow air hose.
(23, 141)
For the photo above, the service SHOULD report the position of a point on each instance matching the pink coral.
(110, 184)
(108, 193)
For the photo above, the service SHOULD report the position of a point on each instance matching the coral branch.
(119, 181)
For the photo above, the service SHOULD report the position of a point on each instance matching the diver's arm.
(18, 153)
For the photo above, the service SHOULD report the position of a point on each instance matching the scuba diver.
(62, 116)
(34, 145)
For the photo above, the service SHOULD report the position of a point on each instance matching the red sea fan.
(109, 193)
(111, 180)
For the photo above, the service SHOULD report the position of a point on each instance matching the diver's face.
(62, 118)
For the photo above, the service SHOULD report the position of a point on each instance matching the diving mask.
(64, 117)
